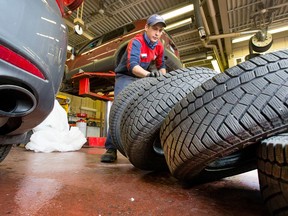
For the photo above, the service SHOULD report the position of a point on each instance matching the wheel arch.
(118, 54)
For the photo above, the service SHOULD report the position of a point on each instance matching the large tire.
(229, 112)
(4, 150)
(273, 175)
(143, 117)
(117, 109)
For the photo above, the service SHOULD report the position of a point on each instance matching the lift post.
(84, 84)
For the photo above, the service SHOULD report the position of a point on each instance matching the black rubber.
(4, 150)
(117, 109)
(259, 48)
(241, 161)
(273, 175)
(143, 117)
(229, 112)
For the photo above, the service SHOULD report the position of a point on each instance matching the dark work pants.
(121, 81)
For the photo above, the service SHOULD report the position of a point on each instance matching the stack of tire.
(204, 126)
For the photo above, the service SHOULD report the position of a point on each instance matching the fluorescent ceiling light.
(272, 31)
(216, 66)
(178, 12)
(209, 57)
(182, 22)
(278, 30)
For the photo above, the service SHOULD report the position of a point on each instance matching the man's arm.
(163, 70)
(139, 71)
(134, 48)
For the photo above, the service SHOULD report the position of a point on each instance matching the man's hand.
(155, 74)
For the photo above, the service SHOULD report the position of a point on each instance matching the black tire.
(250, 56)
(143, 117)
(229, 112)
(117, 109)
(239, 162)
(4, 150)
(273, 175)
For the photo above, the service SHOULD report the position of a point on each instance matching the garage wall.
(95, 109)
(79, 105)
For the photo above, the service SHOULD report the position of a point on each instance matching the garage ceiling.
(222, 19)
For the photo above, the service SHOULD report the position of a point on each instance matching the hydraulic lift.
(84, 79)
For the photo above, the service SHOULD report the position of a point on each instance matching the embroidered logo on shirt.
(143, 55)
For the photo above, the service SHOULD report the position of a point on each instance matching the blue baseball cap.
(154, 19)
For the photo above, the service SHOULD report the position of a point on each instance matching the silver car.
(33, 44)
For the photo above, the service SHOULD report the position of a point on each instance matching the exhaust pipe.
(16, 101)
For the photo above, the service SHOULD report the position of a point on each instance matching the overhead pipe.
(206, 37)
(230, 35)
(203, 28)
(198, 19)
(212, 13)
(205, 42)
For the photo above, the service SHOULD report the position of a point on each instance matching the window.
(113, 34)
(90, 45)
(130, 27)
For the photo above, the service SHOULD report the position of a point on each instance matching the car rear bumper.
(26, 99)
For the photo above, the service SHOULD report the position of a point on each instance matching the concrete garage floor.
(76, 183)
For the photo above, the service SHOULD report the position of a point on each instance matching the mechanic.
(141, 51)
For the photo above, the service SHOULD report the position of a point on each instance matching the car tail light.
(19, 61)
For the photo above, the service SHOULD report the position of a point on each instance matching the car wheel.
(273, 175)
(117, 109)
(4, 150)
(229, 112)
(239, 162)
(144, 115)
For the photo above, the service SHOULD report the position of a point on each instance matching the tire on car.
(227, 113)
(273, 175)
(118, 107)
(145, 113)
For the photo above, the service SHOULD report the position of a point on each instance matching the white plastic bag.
(53, 134)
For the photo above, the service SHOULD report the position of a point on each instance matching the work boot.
(109, 156)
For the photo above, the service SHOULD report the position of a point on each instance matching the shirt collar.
(149, 43)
